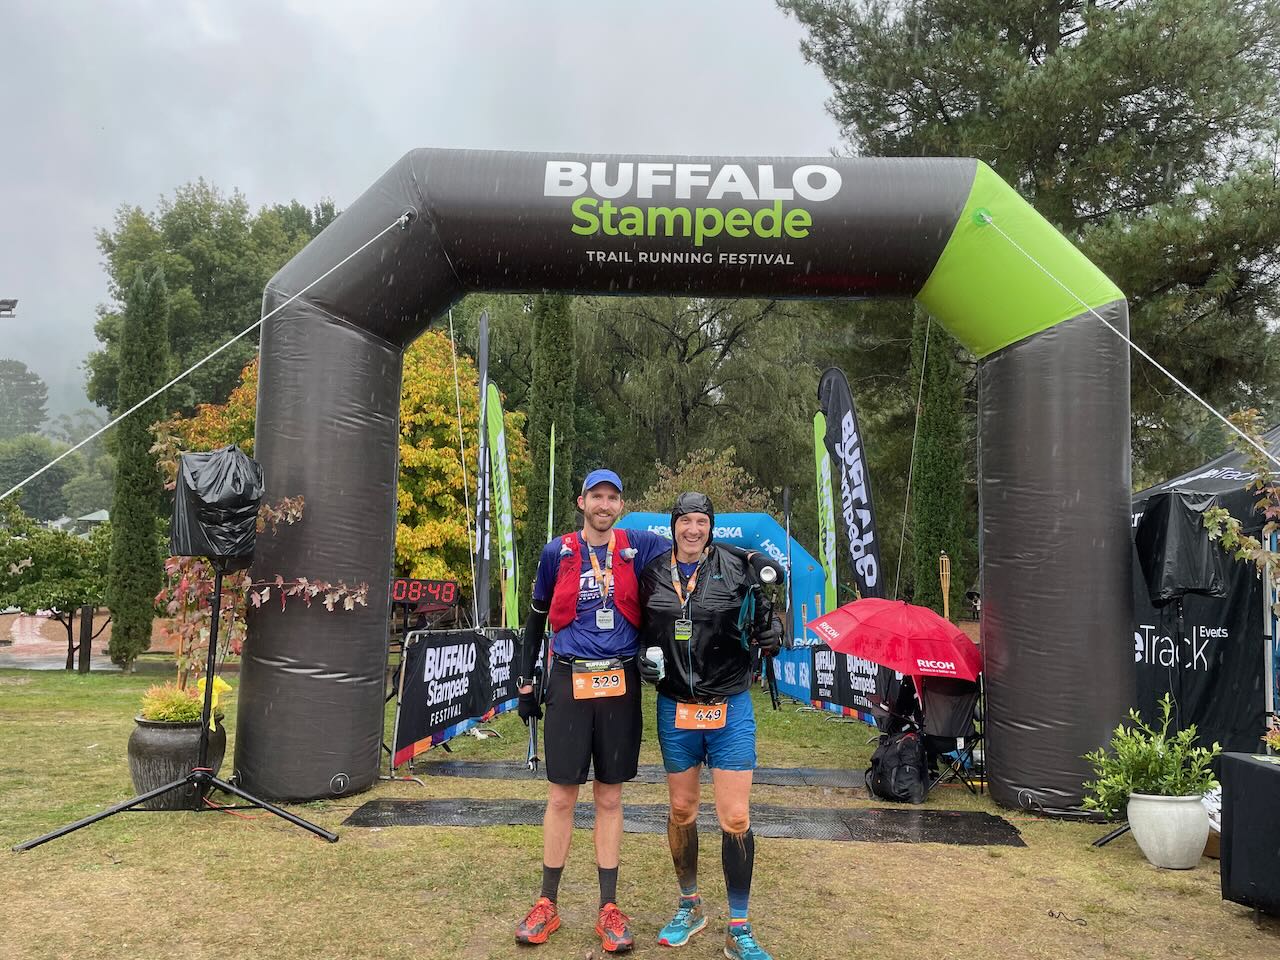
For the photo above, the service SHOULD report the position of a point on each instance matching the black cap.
(692, 502)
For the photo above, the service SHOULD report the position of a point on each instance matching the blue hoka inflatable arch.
(759, 531)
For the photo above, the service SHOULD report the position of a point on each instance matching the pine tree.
(135, 570)
(937, 483)
(1144, 130)
(23, 397)
(552, 398)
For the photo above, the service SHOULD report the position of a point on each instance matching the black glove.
(648, 669)
(528, 707)
(769, 639)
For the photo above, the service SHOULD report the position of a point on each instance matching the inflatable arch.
(1053, 406)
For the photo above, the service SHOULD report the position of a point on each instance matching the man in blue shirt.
(587, 588)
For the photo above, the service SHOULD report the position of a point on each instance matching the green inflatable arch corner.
(988, 293)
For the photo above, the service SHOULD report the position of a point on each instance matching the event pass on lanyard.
(598, 678)
(701, 716)
(604, 580)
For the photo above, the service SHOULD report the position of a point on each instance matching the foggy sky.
(104, 104)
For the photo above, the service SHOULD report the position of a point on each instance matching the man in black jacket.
(702, 608)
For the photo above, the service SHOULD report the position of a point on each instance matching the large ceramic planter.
(1171, 831)
(161, 752)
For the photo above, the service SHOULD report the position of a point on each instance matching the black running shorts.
(581, 734)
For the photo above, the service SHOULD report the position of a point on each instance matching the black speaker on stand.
(215, 513)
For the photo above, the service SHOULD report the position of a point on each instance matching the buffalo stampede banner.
(452, 681)
(845, 681)
(844, 444)
(838, 445)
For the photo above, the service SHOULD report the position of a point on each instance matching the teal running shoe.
(689, 919)
(740, 945)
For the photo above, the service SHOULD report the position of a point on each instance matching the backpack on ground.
(897, 770)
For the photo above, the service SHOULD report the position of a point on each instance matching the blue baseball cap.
(596, 477)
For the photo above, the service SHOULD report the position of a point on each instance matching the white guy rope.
(466, 495)
(987, 218)
(915, 432)
(402, 221)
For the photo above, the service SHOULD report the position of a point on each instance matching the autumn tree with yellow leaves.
(431, 536)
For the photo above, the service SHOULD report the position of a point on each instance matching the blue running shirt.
(582, 638)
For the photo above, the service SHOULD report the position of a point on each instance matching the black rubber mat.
(878, 825)
(648, 773)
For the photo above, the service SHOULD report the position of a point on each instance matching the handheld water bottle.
(654, 656)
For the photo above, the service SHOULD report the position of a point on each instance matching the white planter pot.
(1171, 831)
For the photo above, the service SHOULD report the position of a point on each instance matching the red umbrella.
(899, 635)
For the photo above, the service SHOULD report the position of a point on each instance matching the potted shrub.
(1158, 780)
(165, 743)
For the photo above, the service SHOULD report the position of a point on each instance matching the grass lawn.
(159, 885)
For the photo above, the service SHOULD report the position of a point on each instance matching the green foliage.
(661, 377)
(1144, 130)
(135, 569)
(91, 486)
(42, 569)
(217, 257)
(1146, 760)
(1219, 523)
(23, 397)
(552, 400)
(432, 539)
(938, 488)
(712, 472)
(91, 489)
(166, 703)
(44, 497)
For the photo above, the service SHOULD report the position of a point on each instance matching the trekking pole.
(539, 672)
(531, 761)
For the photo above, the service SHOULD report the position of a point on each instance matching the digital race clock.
(408, 590)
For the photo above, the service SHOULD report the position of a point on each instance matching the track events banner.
(452, 681)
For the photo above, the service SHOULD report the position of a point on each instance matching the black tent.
(1214, 663)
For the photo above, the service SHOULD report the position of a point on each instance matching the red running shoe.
(543, 920)
(614, 930)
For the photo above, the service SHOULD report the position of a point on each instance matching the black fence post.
(86, 636)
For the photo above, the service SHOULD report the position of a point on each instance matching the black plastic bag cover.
(215, 505)
(1174, 550)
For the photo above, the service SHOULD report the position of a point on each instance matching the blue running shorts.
(732, 747)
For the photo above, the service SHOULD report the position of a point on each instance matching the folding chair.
(952, 732)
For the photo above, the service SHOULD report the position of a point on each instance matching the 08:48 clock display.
(408, 590)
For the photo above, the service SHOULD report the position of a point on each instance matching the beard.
(599, 522)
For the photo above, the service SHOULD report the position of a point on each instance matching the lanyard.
(690, 586)
(604, 578)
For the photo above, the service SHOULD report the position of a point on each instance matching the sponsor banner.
(824, 681)
(843, 441)
(1213, 666)
(839, 682)
(501, 479)
(857, 683)
(826, 513)
(452, 681)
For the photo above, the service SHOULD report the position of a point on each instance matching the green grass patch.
(145, 885)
